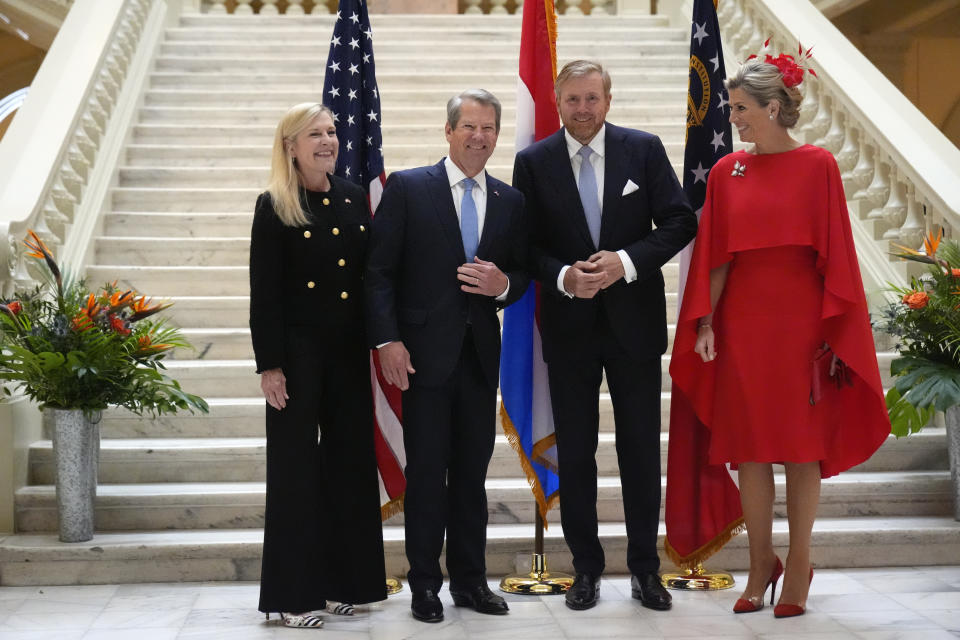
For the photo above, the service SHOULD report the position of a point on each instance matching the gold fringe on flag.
(544, 502)
(551, 14)
(392, 508)
(699, 556)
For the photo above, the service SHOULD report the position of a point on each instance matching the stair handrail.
(900, 173)
(58, 157)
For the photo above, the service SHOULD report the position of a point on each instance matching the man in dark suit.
(605, 212)
(447, 251)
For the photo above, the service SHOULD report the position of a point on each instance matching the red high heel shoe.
(790, 610)
(749, 605)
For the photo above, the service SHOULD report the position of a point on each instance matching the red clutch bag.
(820, 374)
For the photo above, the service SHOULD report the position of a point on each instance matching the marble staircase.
(181, 497)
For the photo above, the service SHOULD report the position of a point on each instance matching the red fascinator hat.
(791, 69)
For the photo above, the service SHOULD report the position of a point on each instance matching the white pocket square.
(629, 188)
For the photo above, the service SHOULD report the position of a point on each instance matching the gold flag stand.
(539, 582)
(394, 586)
(697, 579)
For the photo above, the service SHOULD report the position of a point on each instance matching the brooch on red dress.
(738, 169)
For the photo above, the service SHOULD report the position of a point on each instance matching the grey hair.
(481, 96)
(762, 82)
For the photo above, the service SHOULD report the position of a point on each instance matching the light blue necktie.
(469, 225)
(589, 194)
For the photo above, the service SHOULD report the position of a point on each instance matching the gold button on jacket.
(336, 231)
(306, 234)
(341, 262)
(344, 295)
(311, 284)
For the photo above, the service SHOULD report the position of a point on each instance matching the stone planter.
(76, 451)
(953, 449)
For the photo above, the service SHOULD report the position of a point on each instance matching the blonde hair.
(284, 184)
(579, 69)
(763, 82)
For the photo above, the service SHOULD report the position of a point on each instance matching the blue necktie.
(469, 226)
(589, 194)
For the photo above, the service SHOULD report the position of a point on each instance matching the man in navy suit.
(447, 251)
(605, 212)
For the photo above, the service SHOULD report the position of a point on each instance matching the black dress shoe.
(481, 600)
(584, 592)
(647, 588)
(426, 606)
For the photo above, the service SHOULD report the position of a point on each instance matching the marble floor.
(871, 604)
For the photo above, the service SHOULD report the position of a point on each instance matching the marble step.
(184, 505)
(182, 225)
(225, 459)
(388, 80)
(646, 43)
(425, 129)
(675, 57)
(210, 24)
(414, 96)
(237, 378)
(235, 554)
(229, 278)
(402, 122)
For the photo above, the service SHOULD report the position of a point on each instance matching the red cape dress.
(781, 221)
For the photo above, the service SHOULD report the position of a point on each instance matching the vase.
(76, 450)
(952, 416)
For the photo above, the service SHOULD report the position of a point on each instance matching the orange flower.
(40, 251)
(142, 308)
(145, 343)
(81, 322)
(92, 308)
(15, 307)
(930, 243)
(916, 299)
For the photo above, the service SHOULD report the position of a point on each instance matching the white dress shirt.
(597, 161)
(479, 192)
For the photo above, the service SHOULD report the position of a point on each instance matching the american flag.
(350, 90)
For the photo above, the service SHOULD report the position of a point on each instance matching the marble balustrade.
(900, 187)
(51, 210)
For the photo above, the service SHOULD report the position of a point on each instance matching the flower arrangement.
(70, 348)
(925, 320)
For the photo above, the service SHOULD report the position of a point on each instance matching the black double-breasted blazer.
(310, 275)
(412, 291)
(652, 223)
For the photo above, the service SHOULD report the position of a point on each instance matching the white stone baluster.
(895, 209)
(572, 8)
(78, 160)
(269, 8)
(519, 10)
(473, 6)
(857, 179)
(218, 7)
(833, 138)
(815, 131)
(810, 103)
(598, 7)
(755, 42)
(497, 6)
(849, 149)
(878, 191)
(725, 11)
(294, 8)
(320, 7)
(914, 226)
(243, 8)
(742, 35)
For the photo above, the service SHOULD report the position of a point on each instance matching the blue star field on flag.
(350, 90)
(708, 111)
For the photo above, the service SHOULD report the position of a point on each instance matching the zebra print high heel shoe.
(301, 620)
(340, 608)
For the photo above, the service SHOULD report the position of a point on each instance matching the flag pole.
(697, 579)
(539, 581)
(709, 137)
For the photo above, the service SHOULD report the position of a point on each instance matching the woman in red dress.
(774, 278)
